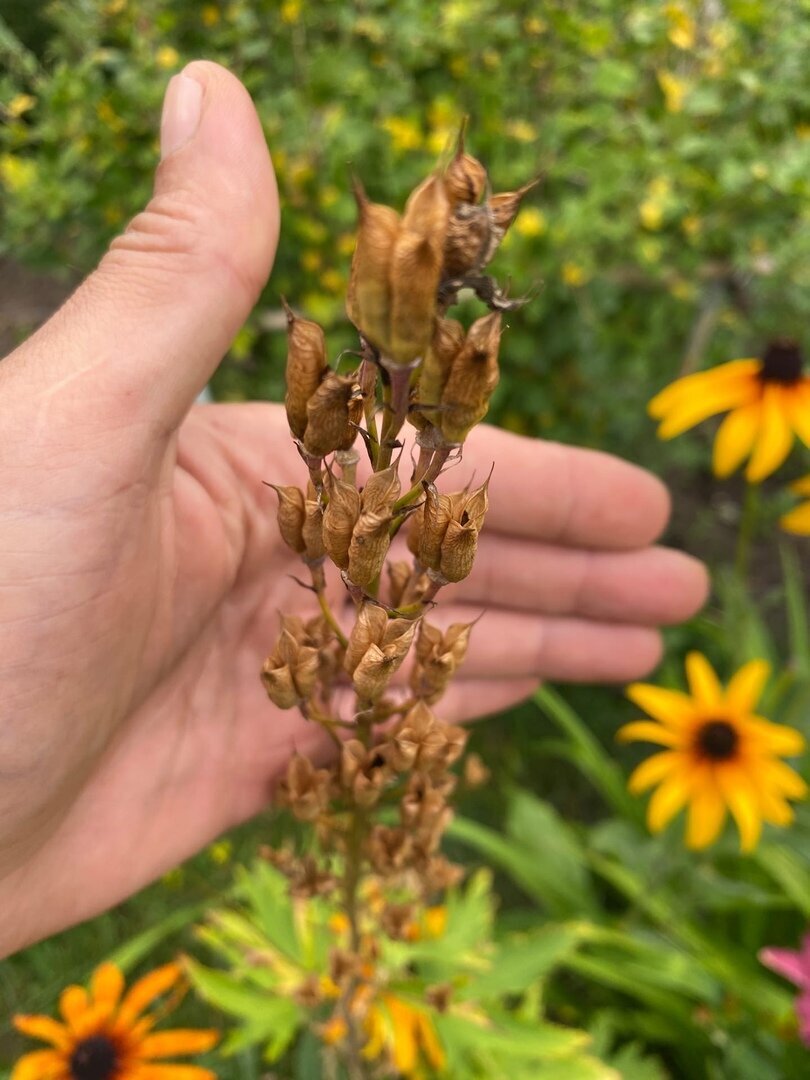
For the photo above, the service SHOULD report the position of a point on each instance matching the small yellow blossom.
(534, 26)
(329, 195)
(760, 171)
(346, 243)
(405, 133)
(16, 173)
(491, 59)
(109, 117)
(115, 7)
(167, 57)
(574, 275)
(673, 89)
(338, 923)
(435, 921)
(682, 30)
(691, 224)
(651, 213)
(458, 67)
(333, 281)
(521, 130)
(291, 11)
(802, 131)
(441, 138)
(531, 222)
(113, 214)
(20, 104)
(311, 260)
(220, 852)
(798, 520)
(210, 15)
(334, 1031)
(404, 1033)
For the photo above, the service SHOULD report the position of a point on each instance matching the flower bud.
(473, 377)
(306, 365)
(291, 513)
(368, 302)
(415, 271)
(333, 413)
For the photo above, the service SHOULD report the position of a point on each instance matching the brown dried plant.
(380, 808)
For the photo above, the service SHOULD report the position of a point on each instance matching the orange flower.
(107, 1035)
(798, 520)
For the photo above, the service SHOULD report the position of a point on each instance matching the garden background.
(670, 233)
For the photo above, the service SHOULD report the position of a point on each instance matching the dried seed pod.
(381, 491)
(476, 773)
(290, 672)
(436, 515)
(468, 240)
(306, 365)
(290, 518)
(415, 270)
(369, 629)
(368, 547)
(388, 849)
(465, 177)
(438, 657)
(368, 302)
(459, 546)
(476, 505)
(339, 520)
(447, 341)
(473, 377)
(399, 574)
(313, 527)
(416, 740)
(333, 413)
(503, 209)
(304, 789)
(382, 658)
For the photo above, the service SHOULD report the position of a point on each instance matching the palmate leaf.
(520, 961)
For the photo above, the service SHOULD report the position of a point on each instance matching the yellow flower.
(167, 57)
(673, 89)
(798, 520)
(403, 1032)
(405, 134)
(768, 402)
(574, 275)
(681, 26)
(531, 222)
(651, 213)
(16, 173)
(20, 104)
(521, 130)
(210, 15)
(107, 1035)
(291, 11)
(720, 755)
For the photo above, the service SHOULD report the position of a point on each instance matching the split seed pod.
(368, 302)
(339, 520)
(473, 376)
(465, 177)
(503, 209)
(368, 547)
(306, 365)
(377, 647)
(290, 672)
(447, 341)
(313, 527)
(333, 413)
(415, 270)
(291, 514)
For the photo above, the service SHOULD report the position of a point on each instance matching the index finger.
(566, 495)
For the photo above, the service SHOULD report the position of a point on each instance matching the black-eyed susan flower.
(798, 519)
(767, 401)
(720, 755)
(106, 1034)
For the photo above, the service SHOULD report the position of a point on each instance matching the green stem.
(330, 618)
(748, 522)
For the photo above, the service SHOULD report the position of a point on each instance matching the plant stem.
(748, 521)
(330, 618)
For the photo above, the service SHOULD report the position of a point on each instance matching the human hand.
(141, 571)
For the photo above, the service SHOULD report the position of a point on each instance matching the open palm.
(141, 573)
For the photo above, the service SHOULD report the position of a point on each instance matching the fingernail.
(182, 107)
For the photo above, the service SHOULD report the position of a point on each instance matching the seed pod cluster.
(377, 647)
(438, 657)
(356, 527)
(443, 534)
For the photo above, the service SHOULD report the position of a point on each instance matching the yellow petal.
(690, 385)
(741, 798)
(783, 779)
(433, 1049)
(798, 402)
(146, 990)
(73, 1003)
(703, 682)
(41, 1065)
(746, 686)
(667, 800)
(649, 731)
(180, 1041)
(405, 1051)
(91, 1021)
(700, 405)
(735, 438)
(652, 771)
(707, 812)
(801, 486)
(775, 438)
(45, 1028)
(667, 706)
(774, 738)
(107, 985)
(774, 808)
(797, 521)
(376, 1029)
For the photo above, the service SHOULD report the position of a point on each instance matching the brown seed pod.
(290, 672)
(399, 574)
(416, 270)
(290, 518)
(459, 546)
(368, 302)
(473, 377)
(339, 520)
(381, 491)
(368, 547)
(447, 341)
(306, 365)
(503, 209)
(304, 789)
(465, 177)
(436, 515)
(469, 234)
(313, 527)
(377, 647)
(333, 412)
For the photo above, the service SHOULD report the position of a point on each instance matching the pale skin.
(141, 572)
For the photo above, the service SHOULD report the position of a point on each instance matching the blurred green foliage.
(674, 139)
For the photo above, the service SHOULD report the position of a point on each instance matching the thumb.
(146, 330)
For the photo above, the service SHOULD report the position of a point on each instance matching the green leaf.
(520, 961)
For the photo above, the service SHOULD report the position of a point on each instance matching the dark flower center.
(94, 1059)
(782, 362)
(717, 740)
